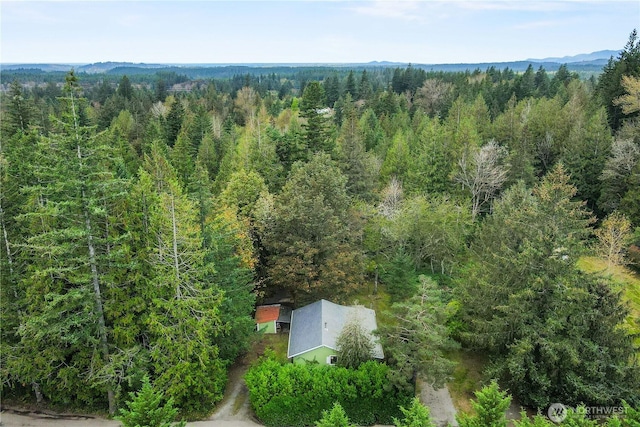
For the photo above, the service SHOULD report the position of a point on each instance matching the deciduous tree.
(482, 173)
(613, 236)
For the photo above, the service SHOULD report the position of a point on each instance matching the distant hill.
(589, 63)
(103, 67)
(589, 67)
(42, 67)
(583, 57)
(98, 67)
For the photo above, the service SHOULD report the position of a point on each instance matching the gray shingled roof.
(320, 323)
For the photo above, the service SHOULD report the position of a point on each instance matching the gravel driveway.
(440, 405)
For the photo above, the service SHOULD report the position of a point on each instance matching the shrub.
(296, 395)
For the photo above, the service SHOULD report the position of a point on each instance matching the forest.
(143, 217)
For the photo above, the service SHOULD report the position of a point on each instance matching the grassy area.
(370, 297)
(276, 342)
(467, 378)
(375, 299)
(624, 279)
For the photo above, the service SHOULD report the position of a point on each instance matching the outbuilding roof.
(320, 323)
(269, 313)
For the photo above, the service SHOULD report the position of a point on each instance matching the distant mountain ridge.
(583, 57)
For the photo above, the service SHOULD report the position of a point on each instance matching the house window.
(332, 360)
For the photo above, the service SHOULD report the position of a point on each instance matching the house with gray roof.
(315, 328)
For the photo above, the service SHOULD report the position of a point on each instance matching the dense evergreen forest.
(143, 218)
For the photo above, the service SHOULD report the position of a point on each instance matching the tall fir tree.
(64, 333)
(316, 127)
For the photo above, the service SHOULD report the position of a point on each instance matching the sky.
(419, 32)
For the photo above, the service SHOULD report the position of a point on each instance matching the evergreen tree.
(19, 112)
(350, 85)
(161, 90)
(64, 334)
(417, 415)
(364, 88)
(490, 408)
(535, 312)
(144, 410)
(173, 122)
(182, 158)
(230, 249)
(334, 418)
(317, 125)
(183, 314)
(561, 79)
(125, 90)
(541, 82)
(360, 168)
(416, 340)
(332, 90)
(525, 84)
(610, 82)
(307, 235)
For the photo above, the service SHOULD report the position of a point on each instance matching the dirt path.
(235, 404)
(10, 418)
(26, 418)
(440, 405)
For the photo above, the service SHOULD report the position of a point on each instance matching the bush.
(296, 395)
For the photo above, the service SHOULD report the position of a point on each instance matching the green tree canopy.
(548, 326)
(416, 338)
(311, 252)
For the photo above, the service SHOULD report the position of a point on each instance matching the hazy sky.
(310, 31)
